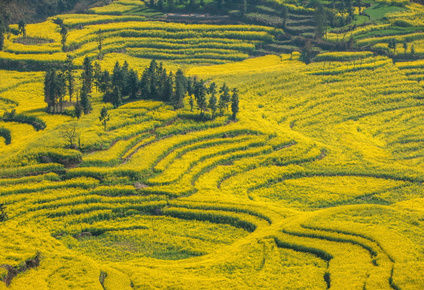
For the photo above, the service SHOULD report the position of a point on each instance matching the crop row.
(189, 159)
(244, 221)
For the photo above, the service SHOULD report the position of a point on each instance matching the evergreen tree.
(221, 106)
(116, 97)
(212, 88)
(153, 79)
(117, 77)
(78, 109)
(190, 85)
(191, 103)
(133, 84)
(162, 82)
(54, 91)
(97, 75)
(321, 22)
(70, 76)
(60, 87)
(48, 94)
(306, 54)
(64, 34)
(125, 75)
(201, 98)
(212, 105)
(104, 117)
(85, 100)
(225, 96)
(87, 74)
(180, 90)
(235, 103)
(168, 89)
(145, 84)
(22, 27)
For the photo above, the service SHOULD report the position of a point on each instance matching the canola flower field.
(317, 185)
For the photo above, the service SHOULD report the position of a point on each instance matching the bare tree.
(71, 134)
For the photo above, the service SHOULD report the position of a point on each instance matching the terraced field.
(317, 184)
(133, 34)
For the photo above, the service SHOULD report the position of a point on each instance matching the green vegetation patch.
(379, 11)
(163, 238)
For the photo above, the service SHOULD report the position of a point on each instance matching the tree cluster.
(200, 90)
(59, 83)
(155, 83)
(125, 84)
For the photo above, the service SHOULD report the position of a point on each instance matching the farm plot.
(291, 189)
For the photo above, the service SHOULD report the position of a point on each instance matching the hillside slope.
(317, 184)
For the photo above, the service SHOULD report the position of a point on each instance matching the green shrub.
(5, 133)
(37, 123)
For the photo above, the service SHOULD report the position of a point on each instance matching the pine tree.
(212, 105)
(104, 117)
(22, 27)
(162, 83)
(153, 94)
(225, 96)
(168, 90)
(321, 22)
(212, 88)
(117, 77)
(78, 109)
(105, 83)
(133, 84)
(116, 97)
(191, 103)
(64, 34)
(85, 100)
(49, 97)
(60, 87)
(180, 90)
(97, 75)
(201, 98)
(235, 103)
(125, 75)
(69, 76)
(145, 84)
(221, 106)
(87, 75)
(306, 55)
